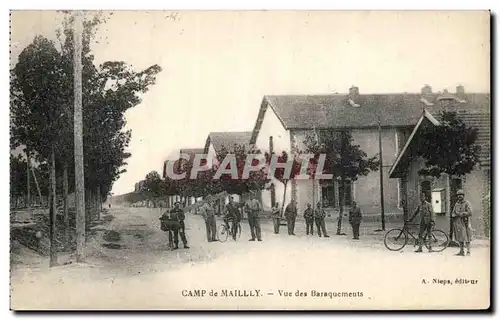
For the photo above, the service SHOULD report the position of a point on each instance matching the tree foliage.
(42, 104)
(448, 148)
(343, 158)
(255, 181)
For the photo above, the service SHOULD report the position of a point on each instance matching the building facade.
(284, 121)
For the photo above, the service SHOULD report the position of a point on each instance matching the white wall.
(271, 126)
(211, 154)
(279, 189)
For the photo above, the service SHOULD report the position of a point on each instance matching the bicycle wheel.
(222, 233)
(395, 239)
(438, 241)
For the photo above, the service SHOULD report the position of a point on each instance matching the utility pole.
(78, 124)
(381, 168)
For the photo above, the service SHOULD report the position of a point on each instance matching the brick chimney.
(426, 95)
(353, 96)
(353, 92)
(427, 89)
(460, 92)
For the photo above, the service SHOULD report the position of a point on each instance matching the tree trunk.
(284, 198)
(98, 202)
(53, 210)
(341, 209)
(87, 209)
(65, 204)
(28, 199)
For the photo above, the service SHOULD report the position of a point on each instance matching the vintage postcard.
(250, 160)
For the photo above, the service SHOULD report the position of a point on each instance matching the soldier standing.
(232, 214)
(319, 217)
(276, 214)
(253, 209)
(309, 217)
(291, 215)
(355, 218)
(426, 220)
(461, 222)
(178, 212)
(207, 212)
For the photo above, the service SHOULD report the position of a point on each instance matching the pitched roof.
(337, 111)
(228, 139)
(480, 121)
(402, 160)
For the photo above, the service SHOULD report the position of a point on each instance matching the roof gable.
(480, 121)
(219, 140)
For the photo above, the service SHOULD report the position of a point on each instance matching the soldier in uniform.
(232, 214)
(276, 214)
(170, 224)
(319, 218)
(291, 215)
(207, 212)
(253, 209)
(461, 222)
(426, 220)
(309, 217)
(355, 218)
(178, 213)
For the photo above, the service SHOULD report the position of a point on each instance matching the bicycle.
(223, 232)
(397, 238)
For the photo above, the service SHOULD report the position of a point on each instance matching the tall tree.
(281, 174)
(448, 148)
(345, 160)
(37, 107)
(241, 184)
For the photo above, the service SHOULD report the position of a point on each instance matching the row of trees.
(42, 113)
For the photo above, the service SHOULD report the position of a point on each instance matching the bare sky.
(218, 65)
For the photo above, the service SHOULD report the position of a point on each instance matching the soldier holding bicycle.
(232, 214)
(427, 221)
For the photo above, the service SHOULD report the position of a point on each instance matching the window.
(328, 195)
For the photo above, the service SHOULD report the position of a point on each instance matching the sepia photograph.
(250, 160)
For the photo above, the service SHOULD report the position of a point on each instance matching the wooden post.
(78, 135)
(381, 169)
(53, 210)
(65, 204)
(98, 201)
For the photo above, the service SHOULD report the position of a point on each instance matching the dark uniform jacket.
(291, 211)
(355, 216)
(233, 211)
(309, 214)
(426, 212)
(319, 213)
(177, 214)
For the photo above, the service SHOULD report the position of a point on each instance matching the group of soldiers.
(173, 220)
(460, 218)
